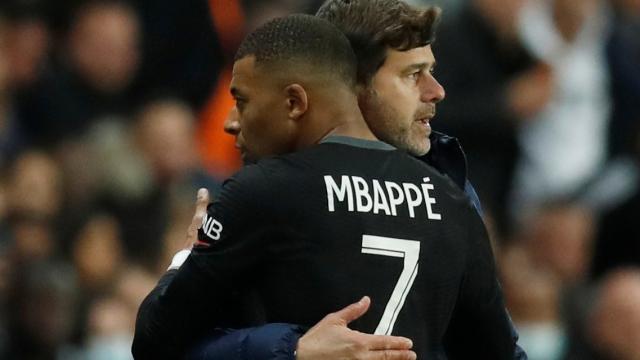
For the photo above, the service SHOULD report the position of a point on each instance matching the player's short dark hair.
(373, 26)
(299, 39)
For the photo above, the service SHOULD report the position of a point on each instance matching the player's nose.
(232, 124)
(432, 91)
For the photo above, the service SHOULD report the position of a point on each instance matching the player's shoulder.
(247, 175)
(250, 184)
(336, 152)
(264, 176)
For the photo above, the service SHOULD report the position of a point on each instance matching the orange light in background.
(217, 149)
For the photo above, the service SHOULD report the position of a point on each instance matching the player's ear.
(297, 101)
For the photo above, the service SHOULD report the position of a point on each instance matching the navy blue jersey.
(313, 231)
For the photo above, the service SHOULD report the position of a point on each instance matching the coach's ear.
(297, 101)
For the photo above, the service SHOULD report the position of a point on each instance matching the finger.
(390, 355)
(385, 342)
(353, 311)
(202, 201)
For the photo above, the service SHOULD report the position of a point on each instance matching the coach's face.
(401, 99)
(259, 121)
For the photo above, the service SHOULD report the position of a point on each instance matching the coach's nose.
(432, 91)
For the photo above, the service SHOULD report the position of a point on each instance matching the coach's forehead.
(400, 60)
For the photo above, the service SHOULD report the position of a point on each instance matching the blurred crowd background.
(111, 117)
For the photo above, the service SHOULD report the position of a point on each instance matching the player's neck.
(335, 114)
(354, 127)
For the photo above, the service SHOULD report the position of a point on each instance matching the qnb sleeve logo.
(212, 228)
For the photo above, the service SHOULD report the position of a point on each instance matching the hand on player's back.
(332, 339)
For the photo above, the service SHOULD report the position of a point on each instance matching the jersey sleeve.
(189, 302)
(274, 341)
(480, 326)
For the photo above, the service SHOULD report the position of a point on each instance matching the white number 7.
(410, 251)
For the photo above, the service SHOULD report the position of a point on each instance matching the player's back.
(349, 218)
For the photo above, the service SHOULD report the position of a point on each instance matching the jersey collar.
(361, 143)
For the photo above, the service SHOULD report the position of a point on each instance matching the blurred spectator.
(609, 328)
(109, 337)
(11, 137)
(564, 145)
(533, 294)
(80, 162)
(35, 185)
(560, 238)
(618, 241)
(91, 77)
(614, 324)
(6, 136)
(132, 286)
(162, 138)
(101, 235)
(43, 303)
(34, 201)
(164, 134)
(544, 275)
(103, 45)
(111, 318)
(558, 243)
(492, 85)
(29, 40)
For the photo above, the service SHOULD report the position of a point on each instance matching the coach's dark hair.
(372, 26)
(302, 39)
